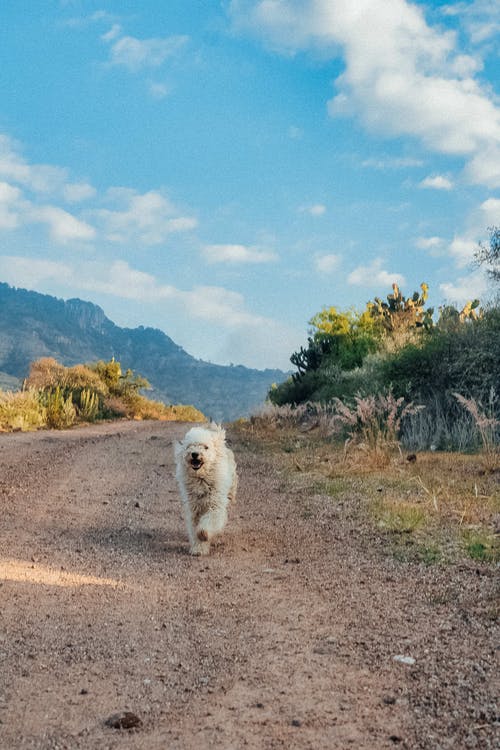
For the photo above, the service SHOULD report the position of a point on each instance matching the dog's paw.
(200, 548)
(202, 535)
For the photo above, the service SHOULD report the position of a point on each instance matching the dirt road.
(284, 637)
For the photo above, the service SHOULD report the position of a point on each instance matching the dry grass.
(21, 410)
(144, 408)
(445, 504)
(33, 409)
(487, 425)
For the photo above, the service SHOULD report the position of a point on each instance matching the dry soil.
(284, 637)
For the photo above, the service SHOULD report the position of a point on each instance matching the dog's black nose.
(194, 455)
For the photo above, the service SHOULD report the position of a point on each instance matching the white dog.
(207, 479)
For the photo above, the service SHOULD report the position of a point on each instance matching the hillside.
(34, 325)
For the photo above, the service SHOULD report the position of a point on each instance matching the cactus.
(89, 405)
(468, 312)
(60, 410)
(401, 313)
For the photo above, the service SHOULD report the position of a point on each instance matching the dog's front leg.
(212, 522)
(198, 539)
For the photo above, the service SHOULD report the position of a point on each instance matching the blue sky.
(223, 169)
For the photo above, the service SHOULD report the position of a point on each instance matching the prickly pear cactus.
(401, 313)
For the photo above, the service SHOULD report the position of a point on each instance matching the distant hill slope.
(34, 325)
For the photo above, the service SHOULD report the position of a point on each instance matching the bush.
(57, 396)
(59, 409)
(374, 422)
(45, 373)
(463, 359)
(21, 410)
(89, 405)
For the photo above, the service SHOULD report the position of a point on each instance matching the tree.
(489, 255)
(330, 322)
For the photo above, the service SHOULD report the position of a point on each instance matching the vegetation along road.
(300, 630)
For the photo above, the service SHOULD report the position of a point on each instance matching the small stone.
(84, 691)
(123, 720)
(296, 723)
(404, 659)
(389, 700)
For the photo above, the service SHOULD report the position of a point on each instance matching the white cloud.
(210, 303)
(82, 22)
(462, 250)
(373, 275)
(10, 200)
(123, 215)
(17, 211)
(467, 288)
(120, 280)
(78, 191)
(262, 346)
(484, 167)
(437, 182)
(317, 209)
(480, 19)
(392, 162)
(114, 32)
(218, 305)
(40, 178)
(30, 272)
(463, 247)
(63, 226)
(429, 243)
(159, 90)
(148, 218)
(327, 263)
(490, 212)
(237, 254)
(136, 54)
(402, 76)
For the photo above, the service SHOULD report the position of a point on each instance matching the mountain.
(34, 325)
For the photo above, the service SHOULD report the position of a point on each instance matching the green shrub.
(464, 360)
(60, 410)
(89, 405)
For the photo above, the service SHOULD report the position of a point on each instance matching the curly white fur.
(207, 479)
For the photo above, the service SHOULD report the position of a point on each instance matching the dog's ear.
(178, 448)
(220, 433)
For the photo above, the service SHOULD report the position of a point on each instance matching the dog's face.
(198, 457)
(198, 450)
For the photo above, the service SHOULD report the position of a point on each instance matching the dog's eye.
(206, 447)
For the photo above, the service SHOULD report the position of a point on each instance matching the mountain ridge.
(34, 325)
